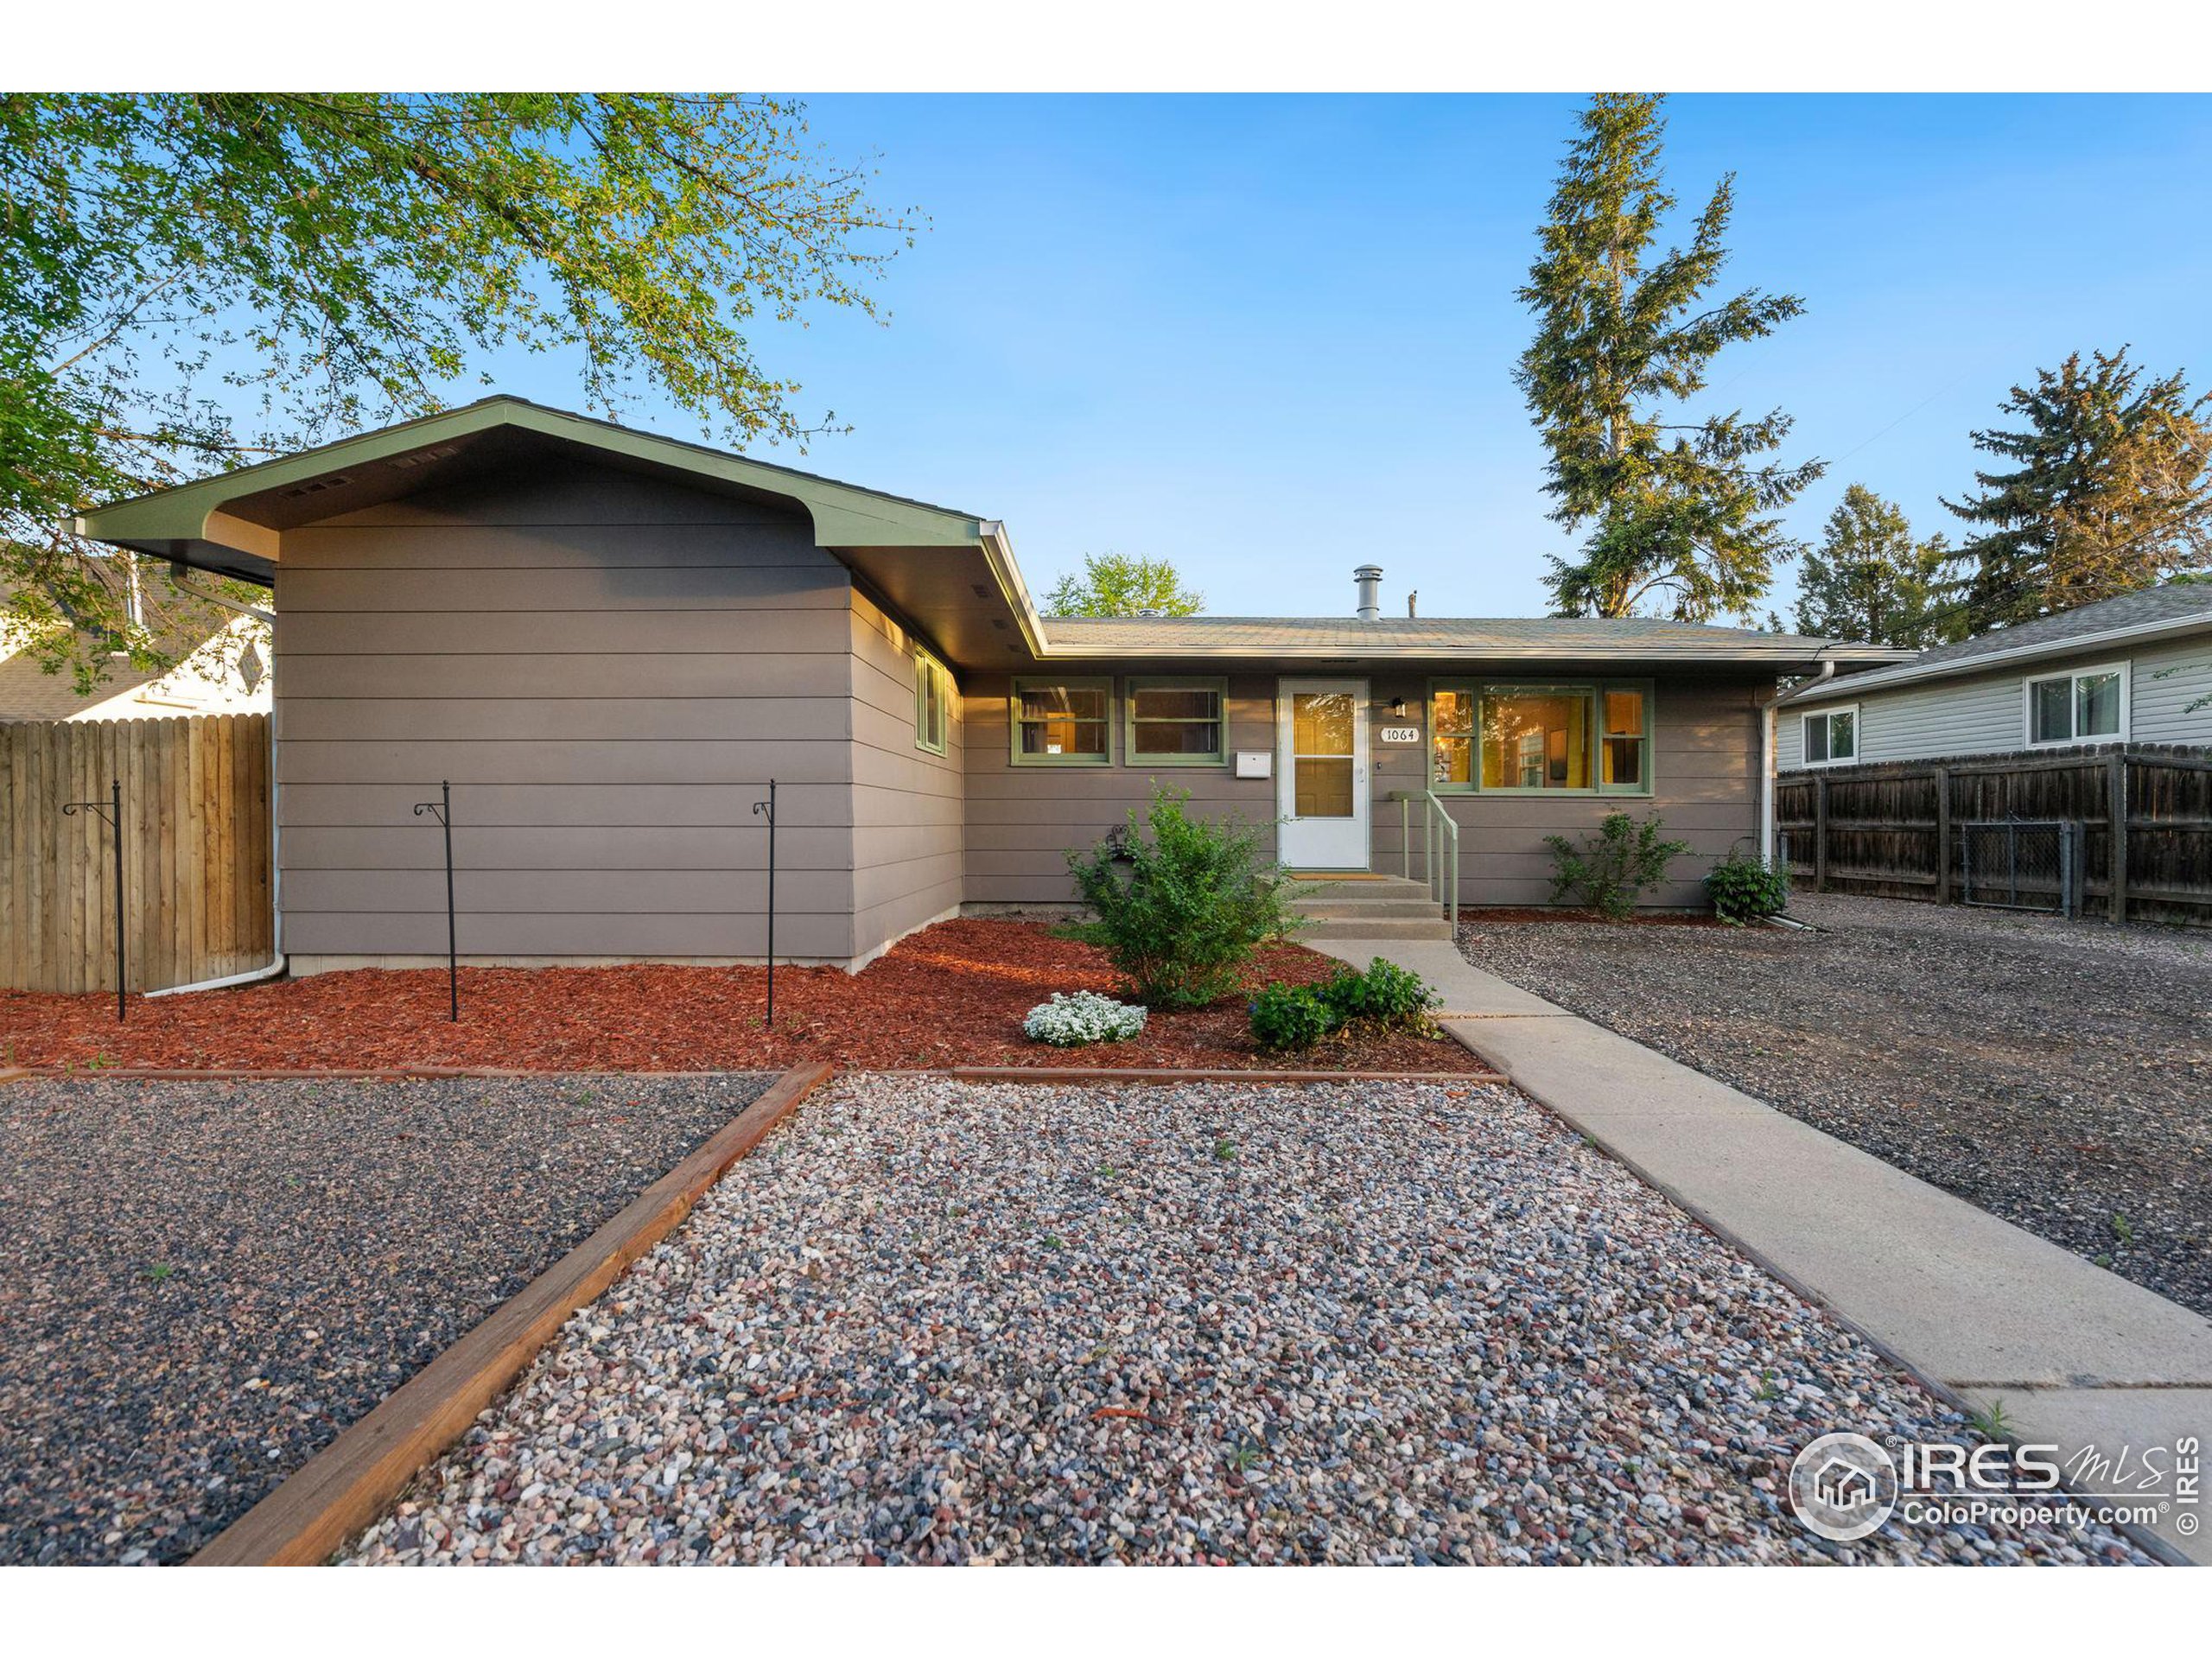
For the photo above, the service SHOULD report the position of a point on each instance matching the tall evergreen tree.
(1870, 581)
(1681, 511)
(2111, 492)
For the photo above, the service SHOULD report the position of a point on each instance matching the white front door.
(1321, 759)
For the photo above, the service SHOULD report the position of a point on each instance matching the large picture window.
(1586, 738)
(2079, 706)
(1063, 722)
(1177, 722)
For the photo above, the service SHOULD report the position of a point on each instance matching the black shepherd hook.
(111, 810)
(441, 810)
(767, 810)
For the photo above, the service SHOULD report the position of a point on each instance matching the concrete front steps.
(1369, 907)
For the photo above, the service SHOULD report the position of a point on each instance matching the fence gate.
(196, 851)
(2021, 864)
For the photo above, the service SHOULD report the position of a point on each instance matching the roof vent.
(317, 486)
(1150, 610)
(1412, 597)
(1370, 578)
(424, 457)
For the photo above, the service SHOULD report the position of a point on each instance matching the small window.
(2079, 707)
(1832, 736)
(1451, 726)
(1178, 722)
(1062, 722)
(1623, 756)
(932, 702)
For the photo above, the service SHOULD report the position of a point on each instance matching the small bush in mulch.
(1085, 1018)
(952, 994)
(1182, 902)
(1386, 999)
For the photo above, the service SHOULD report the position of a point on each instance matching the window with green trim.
(1063, 722)
(1579, 738)
(933, 693)
(1177, 722)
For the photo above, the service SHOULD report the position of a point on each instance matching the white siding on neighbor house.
(1987, 714)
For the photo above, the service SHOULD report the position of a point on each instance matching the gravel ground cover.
(952, 994)
(935, 1322)
(204, 1282)
(2059, 1074)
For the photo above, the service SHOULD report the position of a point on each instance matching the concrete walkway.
(2079, 1355)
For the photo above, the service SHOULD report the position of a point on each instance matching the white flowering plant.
(1084, 1018)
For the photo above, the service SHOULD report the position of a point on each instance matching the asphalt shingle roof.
(1457, 635)
(2175, 601)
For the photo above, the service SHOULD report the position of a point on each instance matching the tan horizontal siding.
(909, 806)
(608, 669)
(807, 806)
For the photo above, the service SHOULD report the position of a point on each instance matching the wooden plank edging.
(1171, 1074)
(348, 1483)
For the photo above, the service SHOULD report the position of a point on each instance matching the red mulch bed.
(953, 994)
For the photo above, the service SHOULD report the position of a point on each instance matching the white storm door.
(1321, 759)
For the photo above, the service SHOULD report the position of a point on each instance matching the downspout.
(1767, 751)
(253, 976)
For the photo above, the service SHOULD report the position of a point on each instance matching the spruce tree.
(2111, 492)
(1868, 581)
(1680, 510)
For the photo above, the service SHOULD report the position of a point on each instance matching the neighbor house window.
(1177, 722)
(1832, 736)
(2079, 706)
(1063, 722)
(1583, 738)
(932, 702)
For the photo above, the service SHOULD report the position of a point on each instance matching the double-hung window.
(1063, 722)
(1582, 737)
(1177, 722)
(1832, 736)
(2079, 706)
(932, 702)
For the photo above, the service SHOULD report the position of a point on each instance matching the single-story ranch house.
(609, 642)
(2136, 669)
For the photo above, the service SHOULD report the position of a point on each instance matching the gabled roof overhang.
(951, 573)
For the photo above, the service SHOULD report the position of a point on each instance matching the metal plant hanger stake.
(767, 808)
(111, 810)
(442, 809)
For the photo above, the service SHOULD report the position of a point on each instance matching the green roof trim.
(844, 515)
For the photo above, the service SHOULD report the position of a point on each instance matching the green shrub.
(1290, 1016)
(1386, 997)
(1182, 902)
(1612, 868)
(1743, 888)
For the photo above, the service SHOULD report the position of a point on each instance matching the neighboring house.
(216, 672)
(2125, 670)
(609, 642)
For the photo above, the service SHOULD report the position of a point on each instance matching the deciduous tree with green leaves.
(192, 282)
(1682, 511)
(2111, 491)
(1869, 581)
(1114, 584)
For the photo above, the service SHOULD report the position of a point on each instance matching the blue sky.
(1272, 338)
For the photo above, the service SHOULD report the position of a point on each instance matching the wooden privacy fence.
(196, 853)
(1893, 829)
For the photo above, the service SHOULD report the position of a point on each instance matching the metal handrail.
(1442, 880)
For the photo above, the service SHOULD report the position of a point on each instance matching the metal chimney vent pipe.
(1412, 597)
(1370, 578)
